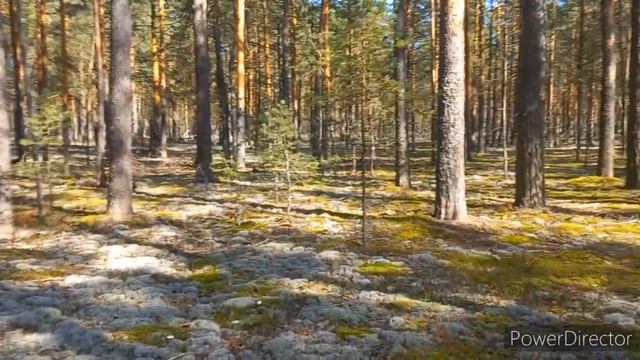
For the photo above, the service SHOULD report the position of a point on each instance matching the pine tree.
(633, 124)
(121, 181)
(6, 210)
(529, 107)
(450, 185)
(606, 151)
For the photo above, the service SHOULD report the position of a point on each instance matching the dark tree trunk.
(529, 107)
(580, 86)
(221, 83)
(100, 111)
(608, 98)
(6, 212)
(121, 182)
(633, 124)
(64, 91)
(402, 154)
(203, 110)
(450, 184)
(15, 11)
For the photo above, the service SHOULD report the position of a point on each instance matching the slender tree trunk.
(402, 153)
(450, 185)
(633, 124)
(240, 85)
(41, 63)
(266, 50)
(480, 77)
(155, 127)
(15, 11)
(100, 119)
(469, 90)
(434, 80)
(6, 210)
(579, 79)
(203, 109)
(327, 109)
(551, 116)
(529, 108)
(285, 88)
(121, 182)
(221, 83)
(606, 151)
(64, 91)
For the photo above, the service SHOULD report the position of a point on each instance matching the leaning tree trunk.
(606, 150)
(633, 124)
(121, 181)
(6, 212)
(450, 184)
(402, 153)
(203, 111)
(529, 107)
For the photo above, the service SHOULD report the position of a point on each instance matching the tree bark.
(580, 82)
(529, 107)
(402, 154)
(203, 109)
(64, 90)
(286, 86)
(100, 119)
(121, 182)
(606, 150)
(633, 124)
(240, 85)
(15, 11)
(221, 83)
(6, 211)
(450, 184)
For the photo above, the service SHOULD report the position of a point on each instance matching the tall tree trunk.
(327, 117)
(480, 78)
(434, 80)
(551, 115)
(203, 110)
(155, 123)
(162, 54)
(606, 151)
(101, 108)
(15, 11)
(469, 90)
(266, 31)
(41, 62)
(64, 90)
(6, 211)
(240, 85)
(529, 107)
(633, 124)
(221, 83)
(579, 79)
(286, 86)
(450, 185)
(121, 182)
(402, 154)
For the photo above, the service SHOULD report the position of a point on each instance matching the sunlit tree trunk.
(240, 85)
(121, 181)
(100, 119)
(606, 151)
(580, 82)
(529, 107)
(6, 211)
(64, 90)
(450, 185)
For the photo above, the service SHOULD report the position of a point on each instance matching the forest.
(318, 179)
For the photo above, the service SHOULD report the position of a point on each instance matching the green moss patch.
(251, 317)
(514, 276)
(152, 334)
(359, 331)
(571, 229)
(383, 269)
(519, 239)
(628, 228)
(209, 279)
(595, 182)
(22, 254)
(36, 274)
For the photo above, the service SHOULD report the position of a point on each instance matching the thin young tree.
(15, 12)
(450, 184)
(401, 42)
(203, 108)
(529, 107)
(607, 134)
(6, 211)
(633, 124)
(121, 161)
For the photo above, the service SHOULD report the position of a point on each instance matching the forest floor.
(217, 271)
